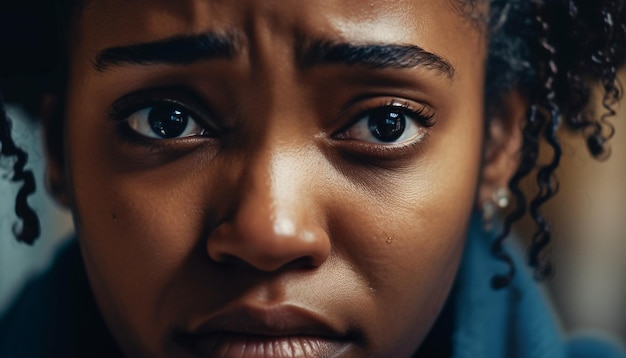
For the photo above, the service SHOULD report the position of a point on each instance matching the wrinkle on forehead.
(471, 8)
(474, 10)
(431, 24)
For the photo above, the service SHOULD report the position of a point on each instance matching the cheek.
(137, 228)
(405, 242)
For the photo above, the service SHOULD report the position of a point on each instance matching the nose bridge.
(274, 221)
(274, 181)
(269, 187)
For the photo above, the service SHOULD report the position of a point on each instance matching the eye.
(165, 121)
(391, 124)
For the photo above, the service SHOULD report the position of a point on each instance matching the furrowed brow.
(377, 56)
(179, 50)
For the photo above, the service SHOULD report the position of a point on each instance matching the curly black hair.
(552, 51)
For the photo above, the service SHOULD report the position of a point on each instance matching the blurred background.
(19, 261)
(588, 217)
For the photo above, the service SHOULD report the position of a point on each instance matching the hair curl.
(29, 230)
(552, 51)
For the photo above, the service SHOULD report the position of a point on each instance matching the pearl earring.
(500, 200)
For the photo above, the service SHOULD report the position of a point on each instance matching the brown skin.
(287, 207)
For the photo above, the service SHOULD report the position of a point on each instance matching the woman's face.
(273, 178)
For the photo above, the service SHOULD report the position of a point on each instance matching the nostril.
(306, 262)
(225, 259)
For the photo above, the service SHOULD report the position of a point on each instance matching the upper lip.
(272, 321)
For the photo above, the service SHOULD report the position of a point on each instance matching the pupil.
(386, 125)
(167, 122)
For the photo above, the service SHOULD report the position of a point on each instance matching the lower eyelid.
(384, 156)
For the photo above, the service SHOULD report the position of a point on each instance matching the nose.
(275, 222)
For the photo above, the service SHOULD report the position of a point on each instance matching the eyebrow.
(377, 56)
(179, 50)
(184, 50)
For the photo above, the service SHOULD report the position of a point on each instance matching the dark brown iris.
(387, 125)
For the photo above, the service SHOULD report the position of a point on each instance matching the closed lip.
(266, 332)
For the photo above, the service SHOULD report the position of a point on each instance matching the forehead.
(355, 9)
(440, 25)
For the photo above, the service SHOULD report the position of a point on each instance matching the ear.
(53, 118)
(503, 141)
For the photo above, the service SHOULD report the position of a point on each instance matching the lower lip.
(229, 345)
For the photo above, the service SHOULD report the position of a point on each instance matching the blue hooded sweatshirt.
(514, 322)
